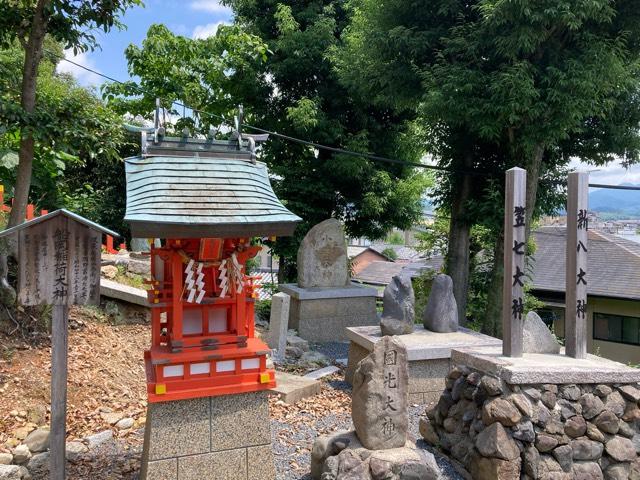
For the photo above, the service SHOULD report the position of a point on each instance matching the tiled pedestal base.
(217, 438)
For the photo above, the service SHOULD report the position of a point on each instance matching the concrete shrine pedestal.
(429, 355)
(321, 314)
(225, 437)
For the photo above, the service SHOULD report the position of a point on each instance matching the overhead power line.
(318, 146)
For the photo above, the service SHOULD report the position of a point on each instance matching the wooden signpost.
(58, 265)
(576, 273)
(514, 265)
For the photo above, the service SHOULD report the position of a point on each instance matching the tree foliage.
(274, 61)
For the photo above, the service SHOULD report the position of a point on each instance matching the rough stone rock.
(111, 418)
(100, 438)
(297, 342)
(380, 396)
(458, 387)
(406, 463)
(541, 415)
(11, 472)
(398, 301)
(21, 454)
(125, 423)
(602, 390)
(584, 449)
(445, 402)
(39, 465)
(636, 442)
(570, 392)
(591, 406)
(569, 409)
(531, 460)
(548, 468)
(537, 338)
(139, 267)
(615, 403)
(350, 465)
(549, 400)
(550, 387)
(322, 256)
(474, 378)
(441, 312)
(491, 385)
(327, 446)
(630, 392)
(427, 431)
(619, 471)
(631, 413)
(75, 450)
(634, 474)
(576, 426)
(494, 442)
(22, 432)
(607, 422)
(5, 458)
(620, 449)
(524, 432)
(594, 433)
(533, 393)
(109, 271)
(545, 443)
(451, 424)
(500, 410)
(564, 456)
(523, 404)
(587, 471)
(38, 440)
(494, 468)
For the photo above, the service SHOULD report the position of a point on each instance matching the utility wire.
(319, 146)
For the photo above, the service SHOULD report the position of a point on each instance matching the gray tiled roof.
(381, 272)
(402, 251)
(613, 268)
(195, 196)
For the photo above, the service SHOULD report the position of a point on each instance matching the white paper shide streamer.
(194, 282)
(230, 274)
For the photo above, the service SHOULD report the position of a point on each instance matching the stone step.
(293, 388)
(125, 293)
(322, 372)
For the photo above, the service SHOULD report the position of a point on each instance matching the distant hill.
(615, 203)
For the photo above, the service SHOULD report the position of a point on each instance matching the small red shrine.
(205, 200)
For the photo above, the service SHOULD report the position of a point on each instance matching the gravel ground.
(333, 350)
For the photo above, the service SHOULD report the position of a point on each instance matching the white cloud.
(211, 6)
(612, 174)
(206, 31)
(84, 77)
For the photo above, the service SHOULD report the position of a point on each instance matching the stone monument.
(379, 447)
(324, 301)
(441, 313)
(398, 303)
(429, 346)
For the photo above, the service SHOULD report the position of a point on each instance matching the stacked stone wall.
(544, 431)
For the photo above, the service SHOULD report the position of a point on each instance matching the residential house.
(613, 302)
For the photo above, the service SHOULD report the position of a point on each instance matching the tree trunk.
(492, 324)
(458, 247)
(32, 57)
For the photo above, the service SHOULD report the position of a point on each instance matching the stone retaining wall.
(544, 431)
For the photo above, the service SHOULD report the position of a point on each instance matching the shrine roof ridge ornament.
(57, 213)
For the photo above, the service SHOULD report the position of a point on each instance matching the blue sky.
(191, 18)
(199, 19)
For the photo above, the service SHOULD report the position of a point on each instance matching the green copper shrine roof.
(213, 194)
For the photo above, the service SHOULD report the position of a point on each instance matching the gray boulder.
(441, 312)
(398, 314)
(537, 338)
(322, 256)
(381, 395)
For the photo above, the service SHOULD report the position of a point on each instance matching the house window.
(616, 328)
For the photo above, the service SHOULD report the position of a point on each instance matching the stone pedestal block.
(226, 437)
(321, 314)
(429, 355)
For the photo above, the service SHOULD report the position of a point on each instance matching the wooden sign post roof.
(59, 265)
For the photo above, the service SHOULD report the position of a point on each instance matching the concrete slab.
(546, 368)
(317, 293)
(293, 388)
(423, 344)
(322, 372)
(111, 289)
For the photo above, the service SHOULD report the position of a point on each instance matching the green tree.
(274, 61)
(497, 84)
